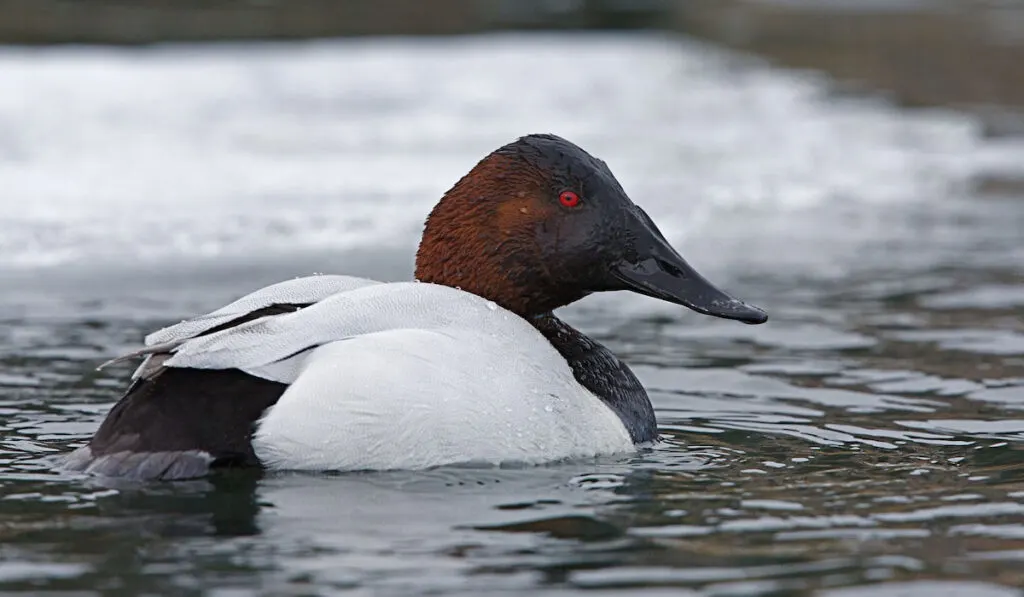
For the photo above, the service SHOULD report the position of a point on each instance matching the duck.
(467, 364)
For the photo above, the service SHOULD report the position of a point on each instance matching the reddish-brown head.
(540, 223)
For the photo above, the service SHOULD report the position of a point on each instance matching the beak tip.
(756, 317)
(739, 311)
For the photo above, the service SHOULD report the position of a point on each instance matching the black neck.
(598, 370)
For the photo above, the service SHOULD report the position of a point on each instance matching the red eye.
(569, 199)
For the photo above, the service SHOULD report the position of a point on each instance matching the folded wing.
(283, 297)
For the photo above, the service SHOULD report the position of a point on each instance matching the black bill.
(658, 271)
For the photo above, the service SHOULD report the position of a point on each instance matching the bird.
(465, 364)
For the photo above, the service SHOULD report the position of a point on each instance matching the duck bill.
(661, 273)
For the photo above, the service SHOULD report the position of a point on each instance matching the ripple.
(26, 571)
(1010, 397)
(1001, 531)
(994, 342)
(930, 588)
(983, 297)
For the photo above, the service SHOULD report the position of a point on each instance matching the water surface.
(866, 441)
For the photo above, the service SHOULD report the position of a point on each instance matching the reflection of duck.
(335, 372)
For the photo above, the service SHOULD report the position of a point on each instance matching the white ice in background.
(199, 153)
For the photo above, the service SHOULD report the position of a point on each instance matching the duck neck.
(598, 370)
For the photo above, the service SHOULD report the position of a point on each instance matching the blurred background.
(956, 52)
(855, 167)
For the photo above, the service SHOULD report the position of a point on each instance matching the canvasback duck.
(466, 364)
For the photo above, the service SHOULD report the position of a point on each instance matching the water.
(866, 441)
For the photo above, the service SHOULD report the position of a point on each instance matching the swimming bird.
(465, 364)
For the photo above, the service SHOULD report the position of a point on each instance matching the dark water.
(867, 441)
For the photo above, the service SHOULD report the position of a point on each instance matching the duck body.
(353, 374)
(468, 364)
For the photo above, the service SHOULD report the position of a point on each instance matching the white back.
(257, 345)
(309, 289)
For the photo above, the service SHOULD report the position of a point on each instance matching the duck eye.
(569, 199)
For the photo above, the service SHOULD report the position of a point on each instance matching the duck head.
(540, 223)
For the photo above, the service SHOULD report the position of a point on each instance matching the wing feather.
(256, 345)
(305, 290)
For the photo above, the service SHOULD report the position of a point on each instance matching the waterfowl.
(466, 364)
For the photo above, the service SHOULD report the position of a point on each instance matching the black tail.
(179, 424)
